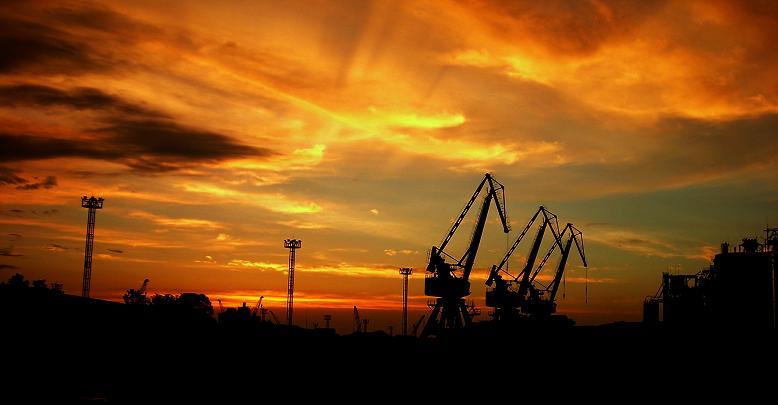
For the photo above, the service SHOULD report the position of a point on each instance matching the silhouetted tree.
(198, 302)
(136, 297)
(18, 281)
(166, 300)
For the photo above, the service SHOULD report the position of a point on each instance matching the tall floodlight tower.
(405, 271)
(292, 245)
(93, 204)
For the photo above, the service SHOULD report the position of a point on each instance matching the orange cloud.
(176, 222)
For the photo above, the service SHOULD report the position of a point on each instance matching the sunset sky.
(215, 130)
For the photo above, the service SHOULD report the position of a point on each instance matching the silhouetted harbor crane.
(523, 296)
(260, 309)
(449, 282)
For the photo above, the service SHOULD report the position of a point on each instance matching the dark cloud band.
(80, 98)
(139, 137)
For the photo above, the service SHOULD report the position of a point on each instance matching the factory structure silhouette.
(713, 296)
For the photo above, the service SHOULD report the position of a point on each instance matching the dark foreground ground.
(65, 349)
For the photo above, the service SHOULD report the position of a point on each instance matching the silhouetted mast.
(405, 271)
(292, 245)
(93, 204)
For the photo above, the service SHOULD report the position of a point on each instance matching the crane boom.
(499, 203)
(575, 234)
(567, 228)
(462, 215)
(472, 250)
(533, 254)
(258, 305)
(508, 254)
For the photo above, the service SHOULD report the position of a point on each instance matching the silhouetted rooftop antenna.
(93, 204)
(327, 319)
(292, 245)
(405, 272)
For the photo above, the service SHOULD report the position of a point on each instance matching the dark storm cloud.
(7, 267)
(7, 176)
(150, 145)
(74, 39)
(49, 182)
(29, 47)
(80, 98)
(141, 138)
(166, 138)
(24, 147)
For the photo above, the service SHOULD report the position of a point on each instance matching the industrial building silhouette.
(737, 291)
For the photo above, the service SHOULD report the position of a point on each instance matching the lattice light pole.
(292, 245)
(93, 204)
(405, 271)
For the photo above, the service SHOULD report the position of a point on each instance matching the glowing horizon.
(215, 131)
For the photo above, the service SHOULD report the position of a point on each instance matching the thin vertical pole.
(290, 292)
(90, 238)
(405, 271)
